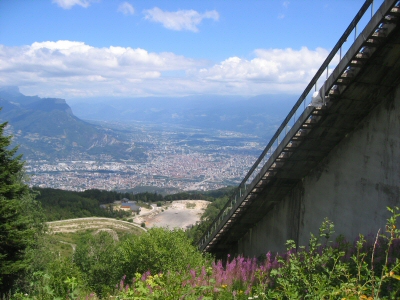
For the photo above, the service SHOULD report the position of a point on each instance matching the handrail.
(292, 114)
(313, 81)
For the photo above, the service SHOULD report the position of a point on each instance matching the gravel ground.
(177, 215)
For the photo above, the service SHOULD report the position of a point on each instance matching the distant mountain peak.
(50, 104)
(46, 128)
(11, 90)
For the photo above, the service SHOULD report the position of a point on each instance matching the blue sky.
(92, 48)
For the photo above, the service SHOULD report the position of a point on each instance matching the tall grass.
(365, 269)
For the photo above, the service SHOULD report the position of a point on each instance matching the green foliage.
(158, 250)
(105, 261)
(162, 264)
(104, 197)
(20, 218)
(47, 287)
(208, 195)
(60, 279)
(316, 272)
(320, 271)
(176, 285)
(190, 205)
(324, 272)
(61, 205)
(97, 257)
(147, 197)
(11, 175)
(209, 215)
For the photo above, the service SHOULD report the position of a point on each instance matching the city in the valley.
(176, 160)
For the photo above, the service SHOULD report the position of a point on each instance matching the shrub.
(323, 270)
(96, 256)
(159, 250)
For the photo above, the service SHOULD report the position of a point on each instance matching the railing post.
(372, 9)
(355, 32)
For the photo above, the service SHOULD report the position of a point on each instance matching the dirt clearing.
(178, 214)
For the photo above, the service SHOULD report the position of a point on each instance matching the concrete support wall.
(352, 187)
(280, 224)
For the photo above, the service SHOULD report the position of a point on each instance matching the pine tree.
(19, 222)
(11, 185)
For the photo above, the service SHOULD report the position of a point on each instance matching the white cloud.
(68, 69)
(181, 19)
(285, 4)
(126, 8)
(273, 65)
(67, 4)
(274, 70)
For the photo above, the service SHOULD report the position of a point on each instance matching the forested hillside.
(60, 204)
(35, 121)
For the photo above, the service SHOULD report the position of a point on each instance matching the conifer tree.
(19, 222)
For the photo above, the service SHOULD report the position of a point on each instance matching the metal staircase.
(305, 136)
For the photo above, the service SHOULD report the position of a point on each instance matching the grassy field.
(65, 234)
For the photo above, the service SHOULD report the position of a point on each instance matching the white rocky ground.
(179, 214)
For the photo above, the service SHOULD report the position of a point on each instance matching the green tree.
(159, 250)
(97, 259)
(19, 220)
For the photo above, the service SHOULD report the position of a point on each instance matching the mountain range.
(46, 128)
(51, 128)
(260, 115)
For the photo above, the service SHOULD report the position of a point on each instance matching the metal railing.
(298, 109)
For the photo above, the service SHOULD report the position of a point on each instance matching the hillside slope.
(46, 128)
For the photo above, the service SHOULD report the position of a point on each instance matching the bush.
(96, 256)
(159, 250)
(366, 270)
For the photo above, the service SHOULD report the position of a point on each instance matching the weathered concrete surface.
(338, 162)
(352, 186)
(272, 232)
(360, 177)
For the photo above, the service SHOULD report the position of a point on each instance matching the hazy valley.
(142, 144)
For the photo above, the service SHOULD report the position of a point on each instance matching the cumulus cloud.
(126, 8)
(181, 19)
(67, 4)
(276, 70)
(273, 65)
(68, 69)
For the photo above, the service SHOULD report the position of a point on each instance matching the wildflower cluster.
(367, 269)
